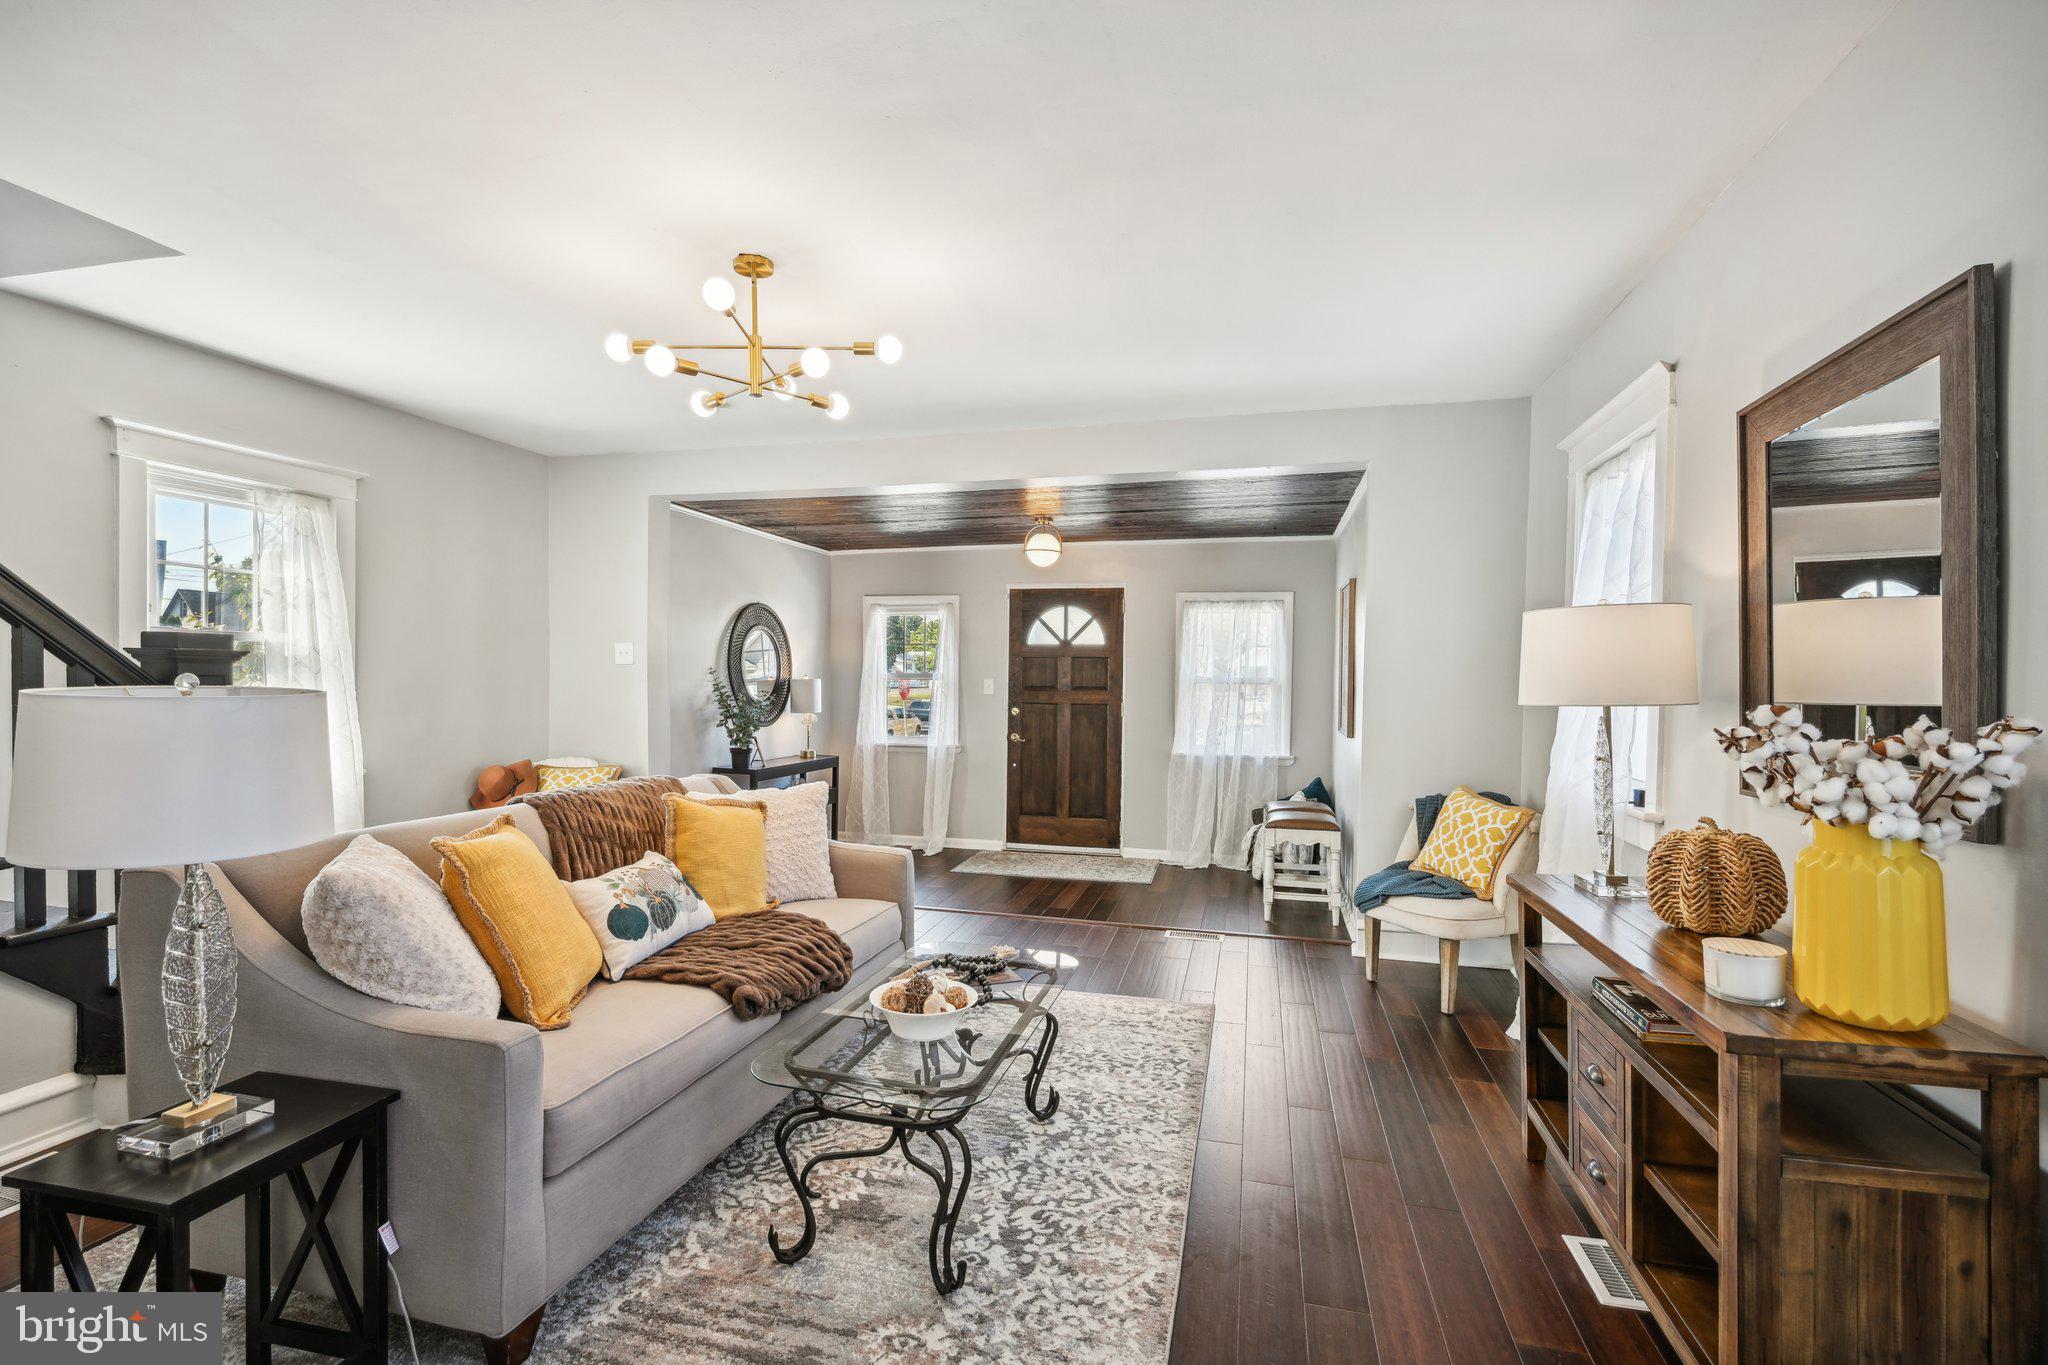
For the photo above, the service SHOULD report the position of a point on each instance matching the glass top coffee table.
(848, 1065)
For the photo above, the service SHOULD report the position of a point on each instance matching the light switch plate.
(988, 687)
(622, 654)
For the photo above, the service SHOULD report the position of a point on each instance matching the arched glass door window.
(1066, 626)
(1882, 587)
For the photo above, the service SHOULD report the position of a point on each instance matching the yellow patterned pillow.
(554, 778)
(1469, 837)
(523, 920)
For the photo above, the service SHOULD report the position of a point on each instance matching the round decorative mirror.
(757, 664)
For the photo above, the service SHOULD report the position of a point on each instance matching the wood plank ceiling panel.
(1855, 466)
(1253, 504)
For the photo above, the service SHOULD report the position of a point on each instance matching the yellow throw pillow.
(721, 845)
(555, 778)
(523, 920)
(1469, 837)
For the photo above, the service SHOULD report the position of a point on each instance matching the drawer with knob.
(1598, 1074)
(1597, 1168)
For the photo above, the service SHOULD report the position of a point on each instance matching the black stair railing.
(68, 956)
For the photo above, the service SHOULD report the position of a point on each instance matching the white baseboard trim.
(38, 1116)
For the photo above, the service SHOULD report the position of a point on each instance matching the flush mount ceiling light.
(764, 379)
(1042, 544)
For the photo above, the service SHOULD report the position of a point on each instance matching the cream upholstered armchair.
(1451, 922)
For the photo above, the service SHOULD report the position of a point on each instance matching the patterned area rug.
(1072, 1232)
(1064, 867)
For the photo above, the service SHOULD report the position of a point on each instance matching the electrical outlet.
(622, 654)
(988, 687)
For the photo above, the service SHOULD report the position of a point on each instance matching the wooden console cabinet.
(1777, 1191)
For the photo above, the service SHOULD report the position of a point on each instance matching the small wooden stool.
(1298, 826)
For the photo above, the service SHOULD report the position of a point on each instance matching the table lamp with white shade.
(1609, 655)
(1857, 651)
(807, 699)
(131, 777)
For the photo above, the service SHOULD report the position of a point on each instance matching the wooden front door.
(1066, 716)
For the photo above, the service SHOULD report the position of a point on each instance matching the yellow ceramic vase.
(1869, 939)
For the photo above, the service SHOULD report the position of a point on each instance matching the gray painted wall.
(1347, 754)
(715, 570)
(1439, 626)
(608, 579)
(1150, 576)
(452, 532)
(1919, 157)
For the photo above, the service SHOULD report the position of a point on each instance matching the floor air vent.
(1604, 1272)
(1197, 937)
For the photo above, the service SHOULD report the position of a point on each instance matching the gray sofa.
(517, 1156)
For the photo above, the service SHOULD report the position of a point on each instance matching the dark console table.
(164, 1198)
(778, 769)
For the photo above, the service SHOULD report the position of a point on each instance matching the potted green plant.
(735, 719)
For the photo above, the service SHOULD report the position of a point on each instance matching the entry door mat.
(1064, 867)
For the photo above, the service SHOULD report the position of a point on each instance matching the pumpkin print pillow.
(638, 910)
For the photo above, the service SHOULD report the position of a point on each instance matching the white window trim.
(911, 602)
(1286, 600)
(139, 449)
(1645, 408)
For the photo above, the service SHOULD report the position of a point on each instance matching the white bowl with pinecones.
(922, 1006)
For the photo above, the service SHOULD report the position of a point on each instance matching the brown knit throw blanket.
(592, 830)
(763, 963)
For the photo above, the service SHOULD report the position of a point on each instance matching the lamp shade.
(806, 696)
(1857, 651)
(1632, 654)
(113, 777)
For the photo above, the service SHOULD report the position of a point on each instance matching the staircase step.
(56, 928)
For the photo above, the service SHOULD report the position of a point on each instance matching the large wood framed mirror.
(1874, 474)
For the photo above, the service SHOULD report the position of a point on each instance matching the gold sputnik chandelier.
(765, 377)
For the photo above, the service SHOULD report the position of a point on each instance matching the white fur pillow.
(376, 922)
(799, 841)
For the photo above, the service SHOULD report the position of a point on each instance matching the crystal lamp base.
(167, 1142)
(1621, 888)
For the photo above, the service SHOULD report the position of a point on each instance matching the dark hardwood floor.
(89, 1231)
(1360, 1191)
(1211, 898)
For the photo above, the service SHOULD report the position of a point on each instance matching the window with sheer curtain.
(909, 695)
(1617, 472)
(1613, 564)
(220, 541)
(1614, 560)
(1232, 688)
(910, 660)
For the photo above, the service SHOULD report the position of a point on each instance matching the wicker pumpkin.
(1716, 881)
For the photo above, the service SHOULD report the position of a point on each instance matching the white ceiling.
(1070, 211)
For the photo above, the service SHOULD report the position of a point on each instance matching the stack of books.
(1638, 1013)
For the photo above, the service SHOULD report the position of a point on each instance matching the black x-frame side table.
(163, 1199)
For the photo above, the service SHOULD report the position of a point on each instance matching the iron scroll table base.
(903, 1124)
